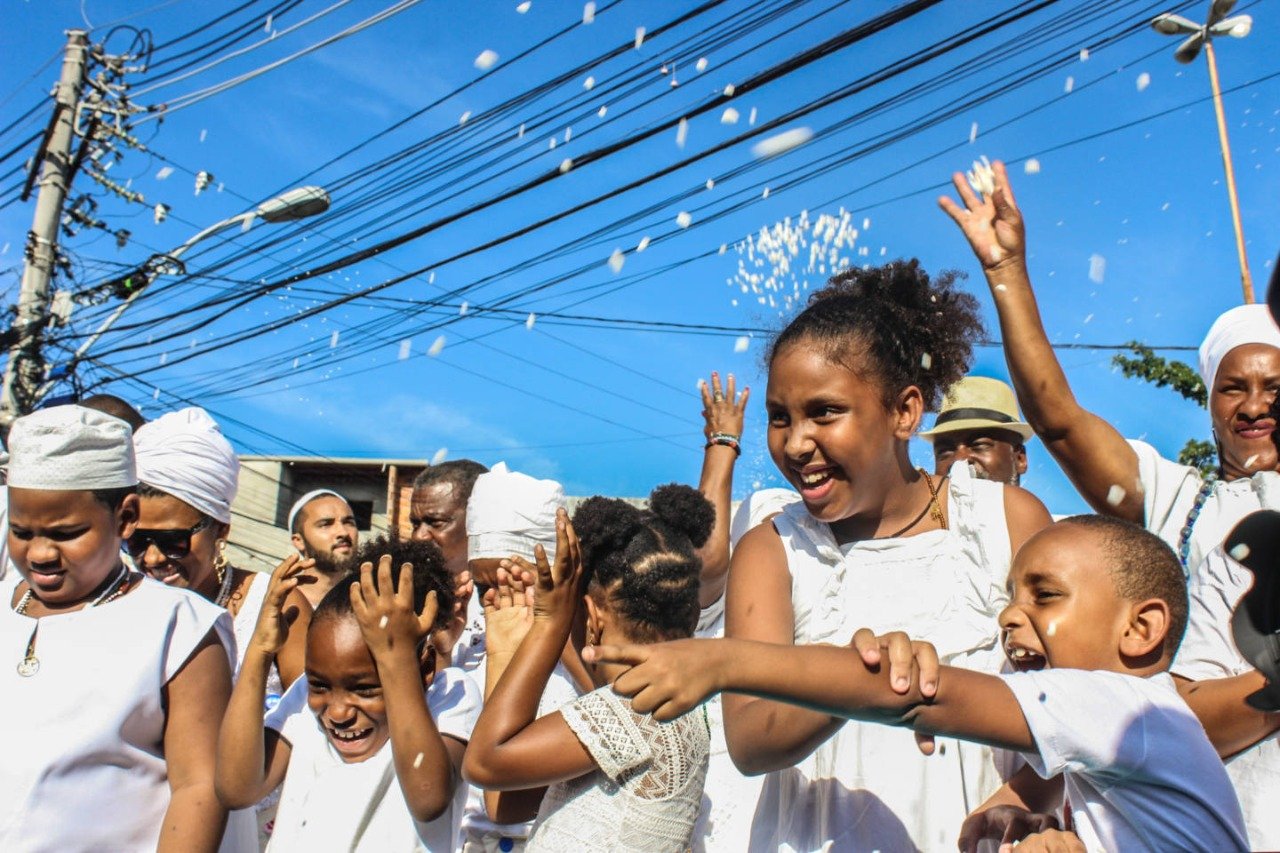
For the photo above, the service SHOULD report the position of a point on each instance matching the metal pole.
(1246, 280)
(25, 370)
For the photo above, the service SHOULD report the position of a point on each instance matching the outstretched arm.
(1092, 453)
(1232, 724)
(723, 411)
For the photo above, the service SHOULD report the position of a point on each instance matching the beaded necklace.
(1184, 538)
(30, 664)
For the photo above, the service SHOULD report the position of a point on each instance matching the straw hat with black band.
(978, 402)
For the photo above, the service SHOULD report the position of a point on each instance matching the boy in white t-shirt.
(368, 761)
(1097, 610)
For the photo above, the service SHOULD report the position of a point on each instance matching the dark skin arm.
(723, 411)
(195, 700)
(1091, 452)
(1025, 515)
(1232, 725)
(291, 658)
(1022, 806)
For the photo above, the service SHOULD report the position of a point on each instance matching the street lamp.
(297, 203)
(1201, 36)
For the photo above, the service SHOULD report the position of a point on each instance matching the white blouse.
(84, 767)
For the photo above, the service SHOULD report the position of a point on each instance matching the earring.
(591, 636)
(220, 562)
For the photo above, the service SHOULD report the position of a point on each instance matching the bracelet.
(726, 440)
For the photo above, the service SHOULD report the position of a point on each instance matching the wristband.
(726, 440)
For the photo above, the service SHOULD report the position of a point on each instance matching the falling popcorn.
(405, 346)
(589, 83)
(973, 133)
(639, 37)
(711, 183)
(765, 194)
(159, 213)
(382, 623)
(462, 119)
(462, 309)
(437, 346)
(781, 143)
(1240, 553)
(926, 361)
(741, 344)
(565, 165)
(1069, 85)
(1032, 166)
(729, 90)
(1097, 268)
(751, 119)
(440, 455)
(486, 60)
(981, 177)
(528, 323)
(1144, 80)
(203, 134)
(602, 111)
(1084, 54)
(729, 116)
(701, 64)
(643, 244)
(333, 340)
(417, 761)
(165, 171)
(683, 219)
(588, 13)
(616, 260)
(1248, 463)
(1116, 495)
(524, 7)
(682, 132)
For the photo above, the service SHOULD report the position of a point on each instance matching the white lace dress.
(647, 790)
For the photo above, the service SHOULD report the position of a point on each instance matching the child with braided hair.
(616, 779)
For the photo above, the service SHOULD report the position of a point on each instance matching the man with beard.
(979, 424)
(438, 508)
(324, 529)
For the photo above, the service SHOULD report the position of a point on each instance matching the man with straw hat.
(979, 424)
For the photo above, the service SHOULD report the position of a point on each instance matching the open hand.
(385, 614)
(447, 637)
(560, 584)
(723, 409)
(272, 629)
(992, 224)
(665, 679)
(1006, 825)
(508, 609)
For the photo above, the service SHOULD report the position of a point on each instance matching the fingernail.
(930, 686)
(900, 682)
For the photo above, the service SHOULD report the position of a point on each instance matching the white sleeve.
(291, 712)
(1208, 649)
(607, 727)
(1082, 721)
(192, 620)
(454, 701)
(1168, 487)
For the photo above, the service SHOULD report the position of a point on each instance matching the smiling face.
(1240, 405)
(831, 435)
(994, 454)
(66, 543)
(1064, 610)
(343, 689)
(438, 513)
(192, 571)
(327, 532)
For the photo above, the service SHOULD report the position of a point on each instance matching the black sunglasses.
(174, 543)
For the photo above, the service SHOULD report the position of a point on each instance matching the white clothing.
(1241, 325)
(84, 768)
(1139, 771)
(868, 787)
(729, 798)
(1208, 651)
(245, 620)
(645, 793)
(509, 513)
(1170, 491)
(469, 655)
(184, 454)
(71, 448)
(325, 800)
(5, 568)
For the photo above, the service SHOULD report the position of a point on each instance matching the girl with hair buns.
(874, 541)
(615, 779)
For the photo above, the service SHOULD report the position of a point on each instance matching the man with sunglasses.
(324, 528)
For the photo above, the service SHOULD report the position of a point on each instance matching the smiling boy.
(1096, 614)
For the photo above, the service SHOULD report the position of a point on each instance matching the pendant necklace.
(30, 664)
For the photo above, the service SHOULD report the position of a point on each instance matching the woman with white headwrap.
(1240, 366)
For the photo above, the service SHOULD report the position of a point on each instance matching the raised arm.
(723, 411)
(1092, 453)
(1232, 724)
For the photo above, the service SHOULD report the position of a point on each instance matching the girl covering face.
(874, 541)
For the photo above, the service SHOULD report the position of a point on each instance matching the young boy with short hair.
(1097, 610)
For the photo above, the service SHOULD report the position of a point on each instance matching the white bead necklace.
(30, 664)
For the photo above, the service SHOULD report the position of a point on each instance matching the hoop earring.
(220, 562)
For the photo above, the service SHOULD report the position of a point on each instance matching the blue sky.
(615, 410)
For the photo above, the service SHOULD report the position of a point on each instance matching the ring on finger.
(717, 398)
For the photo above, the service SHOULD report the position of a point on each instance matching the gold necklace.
(30, 664)
(935, 506)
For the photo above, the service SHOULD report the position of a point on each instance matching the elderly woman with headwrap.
(1240, 365)
(188, 474)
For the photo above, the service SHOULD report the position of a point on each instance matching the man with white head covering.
(508, 513)
(323, 528)
(1240, 365)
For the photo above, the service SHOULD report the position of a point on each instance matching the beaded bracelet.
(725, 439)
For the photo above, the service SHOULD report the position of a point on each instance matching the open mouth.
(814, 484)
(165, 574)
(350, 741)
(1256, 429)
(1023, 659)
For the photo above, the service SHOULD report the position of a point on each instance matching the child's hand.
(992, 224)
(386, 617)
(665, 679)
(905, 656)
(272, 629)
(447, 637)
(723, 410)
(1004, 824)
(508, 610)
(1049, 841)
(559, 585)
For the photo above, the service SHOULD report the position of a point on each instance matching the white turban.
(509, 512)
(184, 454)
(308, 498)
(1244, 324)
(758, 506)
(70, 448)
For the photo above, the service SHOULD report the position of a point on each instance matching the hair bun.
(684, 509)
(605, 525)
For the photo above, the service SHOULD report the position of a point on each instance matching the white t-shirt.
(1208, 651)
(83, 767)
(644, 795)
(1139, 771)
(324, 800)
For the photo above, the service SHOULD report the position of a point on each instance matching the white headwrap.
(509, 512)
(1244, 324)
(70, 448)
(184, 454)
(308, 498)
(758, 506)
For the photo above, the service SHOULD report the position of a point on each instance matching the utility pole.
(24, 374)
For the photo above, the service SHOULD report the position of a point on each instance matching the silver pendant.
(29, 666)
